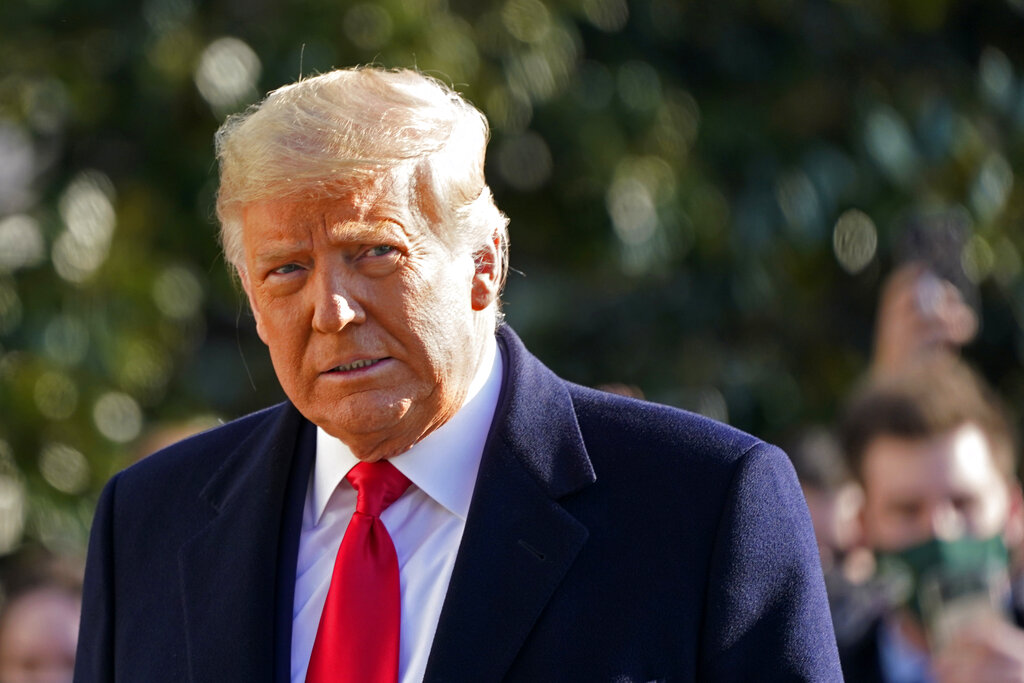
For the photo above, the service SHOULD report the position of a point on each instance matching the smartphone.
(937, 240)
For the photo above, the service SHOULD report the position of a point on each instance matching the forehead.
(957, 462)
(380, 204)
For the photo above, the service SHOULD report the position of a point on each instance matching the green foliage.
(704, 196)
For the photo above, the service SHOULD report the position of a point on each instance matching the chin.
(360, 416)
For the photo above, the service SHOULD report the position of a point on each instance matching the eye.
(286, 269)
(965, 504)
(380, 250)
(908, 510)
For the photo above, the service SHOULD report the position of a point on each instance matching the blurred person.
(834, 499)
(39, 631)
(833, 496)
(935, 456)
(508, 525)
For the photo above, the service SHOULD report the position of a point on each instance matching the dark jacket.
(607, 539)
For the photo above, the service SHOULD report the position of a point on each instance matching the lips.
(356, 365)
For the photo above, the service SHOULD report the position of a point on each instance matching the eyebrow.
(274, 250)
(347, 231)
(366, 231)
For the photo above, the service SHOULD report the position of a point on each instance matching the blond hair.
(328, 134)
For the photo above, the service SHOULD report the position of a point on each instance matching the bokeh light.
(10, 305)
(798, 200)
(12, 500)
(177, 292)
(368, 25)
(21, 243)
(66, 339)
(632, 210)
(56, 395)
(227, 74)
(508, 109)
(711, 403)
(117, 416)
(47, 105)
(527, 20)
(978, 258)
(87, 208)
(890, 144)
(676, 125)
(639, 85)
(991, 187)
(996, 80)
(854, 240)
(452, 45)
(167, 15)
(18, 168)
(173, 53)
(1008, 264)
(608, 15)
(639, 187)
(143, 367)
(64, 468)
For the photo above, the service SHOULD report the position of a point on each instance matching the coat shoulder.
(192, 461)
(630, 424)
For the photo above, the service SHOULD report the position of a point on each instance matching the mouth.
(357, 365)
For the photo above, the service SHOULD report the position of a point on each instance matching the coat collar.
(230, 568)
(519, 541)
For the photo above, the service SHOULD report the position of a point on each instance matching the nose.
(334, 306)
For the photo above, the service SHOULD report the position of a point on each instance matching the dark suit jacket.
(608, 539)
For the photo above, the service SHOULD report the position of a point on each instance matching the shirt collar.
(443, 464)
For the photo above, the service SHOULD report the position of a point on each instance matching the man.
(935, 457)
(38, 631)
(539, 531)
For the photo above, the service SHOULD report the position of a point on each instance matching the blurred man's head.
(935, 456)
(833, 497)
(38, 634)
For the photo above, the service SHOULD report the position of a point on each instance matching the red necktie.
(357, 640)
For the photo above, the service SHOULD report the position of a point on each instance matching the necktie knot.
(378, 485)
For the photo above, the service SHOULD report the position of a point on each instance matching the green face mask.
(925, 576)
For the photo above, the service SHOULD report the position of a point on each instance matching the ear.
(243, 277)
(487, 261)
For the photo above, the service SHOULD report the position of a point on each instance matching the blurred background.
(705, 195)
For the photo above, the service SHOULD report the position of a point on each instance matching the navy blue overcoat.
(608, 539)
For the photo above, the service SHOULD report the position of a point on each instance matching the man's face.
(38, 636)
(375, 326)
(943, 487)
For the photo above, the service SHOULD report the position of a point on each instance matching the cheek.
(886, 530)
(282, 330)
(439, 317)
(992, 515)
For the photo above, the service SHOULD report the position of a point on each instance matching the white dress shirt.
(425, 523)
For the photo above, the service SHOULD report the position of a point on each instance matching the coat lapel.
(519, 541)
(228, 569)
